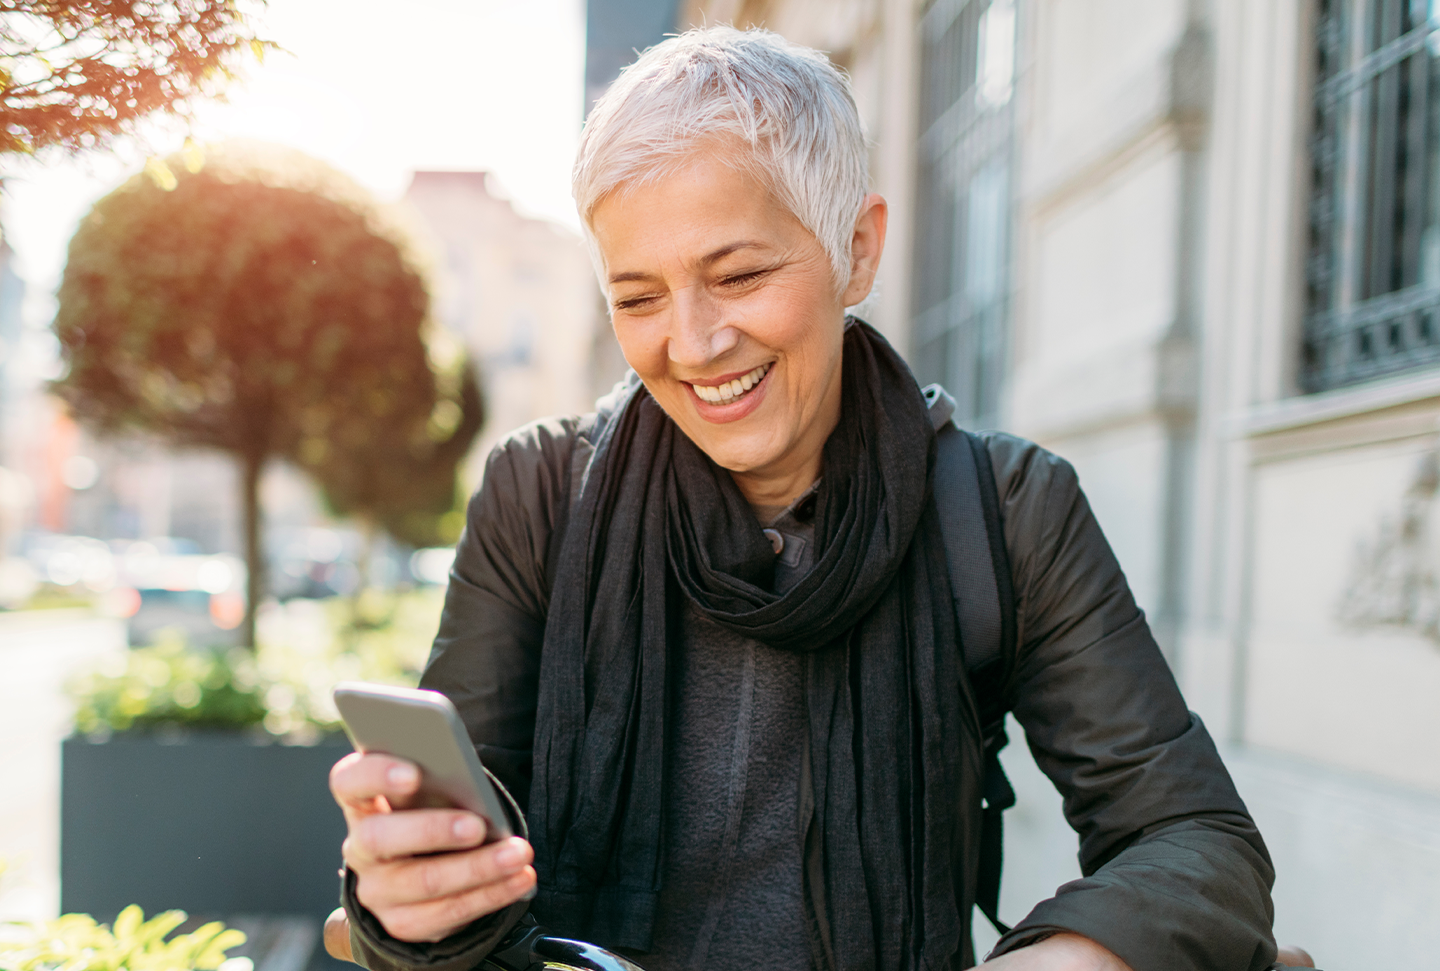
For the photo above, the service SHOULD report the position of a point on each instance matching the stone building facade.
(1194, 247)
(520, 293)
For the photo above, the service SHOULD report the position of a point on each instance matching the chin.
(739, 457)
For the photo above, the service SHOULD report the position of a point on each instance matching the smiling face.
(727, 308)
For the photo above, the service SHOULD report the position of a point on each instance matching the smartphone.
(423, 727)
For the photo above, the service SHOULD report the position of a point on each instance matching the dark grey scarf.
(657, 523)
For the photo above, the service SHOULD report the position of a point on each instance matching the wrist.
(1064, 951)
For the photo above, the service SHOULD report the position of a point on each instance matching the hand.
(1062, 952)
(415, 896)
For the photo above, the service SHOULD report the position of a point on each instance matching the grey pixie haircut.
(789, 107)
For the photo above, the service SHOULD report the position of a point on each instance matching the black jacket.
(1176, 875)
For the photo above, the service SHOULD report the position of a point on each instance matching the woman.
(706, 636)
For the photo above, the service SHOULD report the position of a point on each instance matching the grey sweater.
(733, 899)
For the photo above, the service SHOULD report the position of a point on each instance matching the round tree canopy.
(249, 299)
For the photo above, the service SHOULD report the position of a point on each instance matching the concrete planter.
(211, 823)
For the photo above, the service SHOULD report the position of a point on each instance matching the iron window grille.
(1373, 272)
(961, 283)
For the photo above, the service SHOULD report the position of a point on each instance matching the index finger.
(359, 777)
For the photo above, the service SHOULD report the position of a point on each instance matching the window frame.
(1369, 311)
(965, 172)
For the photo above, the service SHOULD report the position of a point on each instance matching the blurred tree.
(256, 301)
(401, 474)
(75, 72)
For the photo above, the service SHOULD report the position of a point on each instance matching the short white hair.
(788, 106)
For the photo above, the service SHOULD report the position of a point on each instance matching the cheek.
(813, 353)
(803, 318)
(642, 346)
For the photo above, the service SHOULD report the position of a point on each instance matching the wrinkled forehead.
(640, 163)
(694, 215)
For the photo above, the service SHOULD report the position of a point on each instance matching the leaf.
(155, 929)
(193, 155)
(128, 922)
(212, 955)
(161, 175)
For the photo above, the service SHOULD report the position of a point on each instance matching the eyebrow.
(708, 259)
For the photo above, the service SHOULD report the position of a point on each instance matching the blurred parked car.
(168, 585)
(312, 564)
(432, 565)
(80, 562)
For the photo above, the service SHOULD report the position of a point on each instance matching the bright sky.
(375, 88)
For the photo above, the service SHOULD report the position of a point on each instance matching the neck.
(777, 491)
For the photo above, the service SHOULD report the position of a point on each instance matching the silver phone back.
(422, 727)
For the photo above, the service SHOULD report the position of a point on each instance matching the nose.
(698, 333)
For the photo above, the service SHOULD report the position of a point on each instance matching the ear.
(865, 248)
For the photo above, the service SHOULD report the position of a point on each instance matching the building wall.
(1291, 641)
(521, 294)
(614, 31)
(1282, 544)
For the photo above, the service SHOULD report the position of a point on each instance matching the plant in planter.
(199, 778)
(168, 686)
(76, 942)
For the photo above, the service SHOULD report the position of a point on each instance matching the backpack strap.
(983, 589)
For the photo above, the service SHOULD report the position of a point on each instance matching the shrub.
(282, 690)
(75, 942)
(170, 685)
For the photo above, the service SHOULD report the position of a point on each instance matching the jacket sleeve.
(486, 659)
(1175, 874)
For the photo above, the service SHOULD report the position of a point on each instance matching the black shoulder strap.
(980, 581)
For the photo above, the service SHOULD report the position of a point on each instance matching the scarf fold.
(657, 524)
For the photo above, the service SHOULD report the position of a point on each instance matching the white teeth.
(730, 390)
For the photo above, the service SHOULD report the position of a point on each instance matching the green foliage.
(170, 685)
(283, 688)
(410, 490)
(253, 300)
(75, 942)
(73, 73)
(247, 299)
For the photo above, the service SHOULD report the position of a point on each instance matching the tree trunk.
(363, 561)
(251, 468)
(366, 557)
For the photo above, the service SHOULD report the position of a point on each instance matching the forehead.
(695, 213)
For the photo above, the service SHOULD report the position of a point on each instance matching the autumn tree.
(255, 301)
(74, 73)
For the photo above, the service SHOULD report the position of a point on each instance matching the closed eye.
(741, 279)
(634, 303)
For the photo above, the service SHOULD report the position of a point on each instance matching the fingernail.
(511, 854)
(530, 894)
(401, 775)
(467, 828)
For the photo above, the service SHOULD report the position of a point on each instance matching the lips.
(728, 392)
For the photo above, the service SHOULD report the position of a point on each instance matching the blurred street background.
(1193, 247)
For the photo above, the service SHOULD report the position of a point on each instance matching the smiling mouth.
(731, 391)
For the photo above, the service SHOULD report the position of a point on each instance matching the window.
(1373, 274)
(962, 253)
